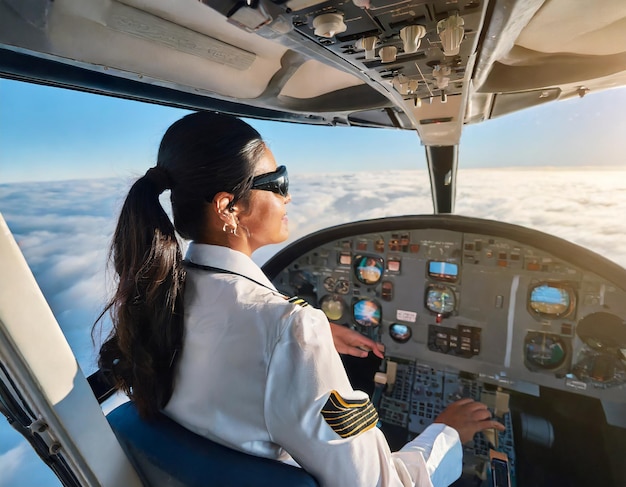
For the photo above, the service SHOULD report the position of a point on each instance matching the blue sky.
(54, 134)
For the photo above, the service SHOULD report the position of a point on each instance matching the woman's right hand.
(468, 417)
(351, 342)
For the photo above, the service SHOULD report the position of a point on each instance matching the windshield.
(68, 159)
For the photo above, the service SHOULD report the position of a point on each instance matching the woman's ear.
(222, 205)
(222, 201)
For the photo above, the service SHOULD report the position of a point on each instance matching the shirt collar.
(227, 259)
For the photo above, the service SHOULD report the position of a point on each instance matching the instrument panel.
(515, 307)
(529, 324)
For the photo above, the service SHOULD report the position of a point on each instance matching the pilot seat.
(166, 454)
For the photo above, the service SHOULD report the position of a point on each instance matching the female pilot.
(210, 342)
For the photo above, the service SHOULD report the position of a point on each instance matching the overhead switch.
(411, 36)
(405, 85)
(328, 25)
(368, 44)
(388, 54)
(442, 76)
(451, 32)
(401, 83)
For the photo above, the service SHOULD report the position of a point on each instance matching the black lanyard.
(294, 299)
(225, 271)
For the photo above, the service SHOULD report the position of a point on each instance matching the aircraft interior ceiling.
(527, 323)
(429, 66)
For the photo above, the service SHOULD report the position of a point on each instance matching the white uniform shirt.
(256, 371)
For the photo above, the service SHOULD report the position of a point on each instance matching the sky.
(55, 134)
(49, 138)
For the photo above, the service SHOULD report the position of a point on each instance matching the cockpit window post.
(442, 167)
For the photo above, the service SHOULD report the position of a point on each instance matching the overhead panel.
(417, 52)
(401, 64)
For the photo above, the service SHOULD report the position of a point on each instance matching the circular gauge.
(329, 284)
(368, 269)
(342, 286)
(366, 312)
(440, 299)
(545, 351)
(400, 333)
(338, 286)
(333, 306)
(551, 300)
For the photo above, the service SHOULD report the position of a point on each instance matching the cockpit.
(527, 323)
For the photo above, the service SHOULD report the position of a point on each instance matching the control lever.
(384, 381)
(380, 381)
(499, 472)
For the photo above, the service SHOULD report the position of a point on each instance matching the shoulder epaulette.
(349, 417)
(298, 301)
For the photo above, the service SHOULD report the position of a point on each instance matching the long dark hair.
(200, 155)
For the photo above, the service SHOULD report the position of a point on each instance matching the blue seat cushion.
(166, 454)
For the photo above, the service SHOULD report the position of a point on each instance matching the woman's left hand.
(350, 342)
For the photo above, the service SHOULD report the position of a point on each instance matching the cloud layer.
(64, 229)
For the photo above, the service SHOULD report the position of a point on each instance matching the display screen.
(333, 307)
(366, 312)
(551, 300)
(368, 269)
(440, 299)
(443, 271)
(400, 333)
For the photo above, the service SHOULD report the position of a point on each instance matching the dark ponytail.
(147, 308)
(200, 155)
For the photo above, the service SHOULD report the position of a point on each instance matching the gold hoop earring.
(229, 229)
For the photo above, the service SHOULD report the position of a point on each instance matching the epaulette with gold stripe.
(298, 301)
(349, 417)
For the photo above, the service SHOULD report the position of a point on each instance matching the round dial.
(368, 269)
(400, 333)
(367, 312)
(333, 306)
(339, 286)
(440, 299)
(545, 350)
(551, 300)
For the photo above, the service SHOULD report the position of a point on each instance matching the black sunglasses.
(276, 182)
